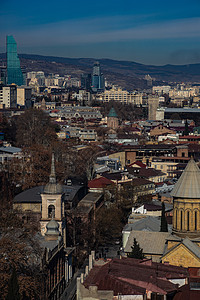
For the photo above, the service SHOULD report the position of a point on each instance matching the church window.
(51, 211)
(181, 220)
(188, 221)
(195, 220)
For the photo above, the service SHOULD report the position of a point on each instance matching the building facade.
(14, 72)
(98, 83)
(8, 96)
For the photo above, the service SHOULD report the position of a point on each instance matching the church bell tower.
(52, 202)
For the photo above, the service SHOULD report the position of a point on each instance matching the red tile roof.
(130, 276)
(138, 163)
(100, 182)
(185, 293)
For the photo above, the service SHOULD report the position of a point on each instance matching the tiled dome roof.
(188, 185)
(52, 228)
(112, 113)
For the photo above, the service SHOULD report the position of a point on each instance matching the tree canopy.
(13, 287)
(163, 225)
(136, 252)
(35, 127)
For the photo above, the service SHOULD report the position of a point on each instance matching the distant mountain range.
(127, 74)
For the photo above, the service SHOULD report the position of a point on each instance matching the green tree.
(186, 129)
(163, 225)
(13, 287)
(136, 252)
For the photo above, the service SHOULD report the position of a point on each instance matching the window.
(188, 221)
(195, 220)
(51, 211)
(181, 220)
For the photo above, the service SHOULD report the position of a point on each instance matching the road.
(70, 291)
(105, 252)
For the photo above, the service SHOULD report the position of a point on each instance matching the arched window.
(188, 221)
(181, 220)
(195, 220)
(51, 211)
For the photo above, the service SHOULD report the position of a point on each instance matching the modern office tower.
(98, 83)
(14, 72)
(86, 81)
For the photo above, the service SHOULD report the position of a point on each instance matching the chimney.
(90, 262)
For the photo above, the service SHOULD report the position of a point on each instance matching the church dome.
(52, 228)
(112, 113)
(53, 188)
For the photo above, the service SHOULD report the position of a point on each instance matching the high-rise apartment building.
(98, 83)
(8, 96)
(3, 74)
(14, 72)
(24, 96)
(86, 81)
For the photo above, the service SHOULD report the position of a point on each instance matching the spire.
(52, 177)
(52, 187)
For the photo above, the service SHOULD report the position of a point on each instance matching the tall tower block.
(14, 72)
(153, 102)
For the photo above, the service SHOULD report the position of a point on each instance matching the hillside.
(125, 73)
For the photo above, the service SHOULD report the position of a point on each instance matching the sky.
(150, 32)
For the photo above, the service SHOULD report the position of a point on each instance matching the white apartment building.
(116, 94)
(8, 96)
(164, 89)
(123, 96)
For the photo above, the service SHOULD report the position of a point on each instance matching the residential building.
(24, 96)
(7, 153)
(129, 278)
(87, 135)
(8, 96)
(3, 75)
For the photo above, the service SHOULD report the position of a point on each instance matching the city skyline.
(147, 32)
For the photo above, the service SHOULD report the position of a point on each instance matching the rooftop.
(128, 276)
(112, 113)
(188, 185)
(100, 182)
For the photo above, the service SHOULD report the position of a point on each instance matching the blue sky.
(149, 32)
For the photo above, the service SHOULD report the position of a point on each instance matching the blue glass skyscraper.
(14, 72)
(98, 83)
